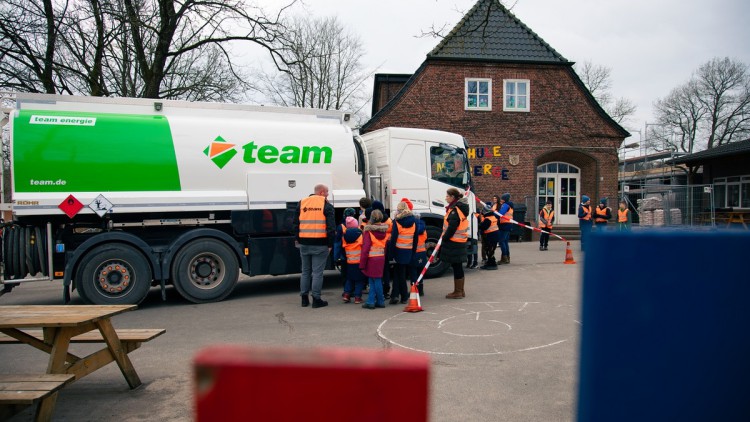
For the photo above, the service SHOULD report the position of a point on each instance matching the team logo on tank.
(220, 152)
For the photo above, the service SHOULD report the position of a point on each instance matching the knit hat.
(585, 199)
(408, 203)
(377, 205)
(603, 201)
(349, 212)
(505, 197)
(351, 223)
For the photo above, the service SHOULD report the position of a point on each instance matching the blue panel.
(666, 327)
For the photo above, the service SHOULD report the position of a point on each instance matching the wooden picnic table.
(60, 324)
(733, 216)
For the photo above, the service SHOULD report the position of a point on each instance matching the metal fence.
(672, 205)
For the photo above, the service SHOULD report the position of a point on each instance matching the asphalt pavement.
(507, 352)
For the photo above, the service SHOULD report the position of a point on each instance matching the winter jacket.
(454, 252)
(372, 267)
(492, 237)
(352, 270)
(419, 259)
(402, 256)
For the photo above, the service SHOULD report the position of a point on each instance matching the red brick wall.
(562, 125)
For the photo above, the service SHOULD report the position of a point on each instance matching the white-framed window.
(732, 192)
(478, 94)
(516, 96)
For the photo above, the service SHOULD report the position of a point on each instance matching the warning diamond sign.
(101, 205)
(70, 206)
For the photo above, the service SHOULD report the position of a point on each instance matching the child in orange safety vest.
(352, 246)
(623, 217)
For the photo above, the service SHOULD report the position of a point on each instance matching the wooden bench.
(18, 392)
(131, 338)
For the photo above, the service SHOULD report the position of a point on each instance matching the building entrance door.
(560, 183)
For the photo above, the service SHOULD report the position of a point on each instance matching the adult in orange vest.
(401, 247)
(623, 216)
(602, 214)
(419, 257)
(546, 219)
(455, 236)
(506, 210)
(585, 220)
(351, 243)
(372, 260)
(314, 231)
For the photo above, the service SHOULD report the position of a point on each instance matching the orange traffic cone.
(414, 304)
(569, 255)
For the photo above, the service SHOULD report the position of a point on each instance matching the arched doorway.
(559, 182)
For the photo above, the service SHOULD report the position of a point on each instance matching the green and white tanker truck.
(113, 196)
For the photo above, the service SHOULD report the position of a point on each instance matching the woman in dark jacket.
(455, 235)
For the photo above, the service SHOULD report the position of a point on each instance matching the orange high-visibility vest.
(462, 231)
(622, 215)
(389, 222)
(505, 219)
(353, 250)
(587, 211)
(493, 224)
(377, 247)
(312, 220)
(600, 215)
(421, 242)
(548, 216)
(405, 239)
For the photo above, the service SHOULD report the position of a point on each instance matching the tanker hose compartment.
(24, 251)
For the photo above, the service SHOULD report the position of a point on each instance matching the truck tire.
(114, 274)
(205, 270)
(438, 267)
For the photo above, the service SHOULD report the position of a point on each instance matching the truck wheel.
(205, 270)
(438, 267)
(115, 275)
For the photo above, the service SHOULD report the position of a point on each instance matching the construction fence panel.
(673, 206)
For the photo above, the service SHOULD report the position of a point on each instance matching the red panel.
(234, 383)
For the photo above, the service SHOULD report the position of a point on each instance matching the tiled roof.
(732, 148)
(490, 32)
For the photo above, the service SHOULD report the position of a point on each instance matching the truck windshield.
(450, 165)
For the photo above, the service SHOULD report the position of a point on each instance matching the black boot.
(490, 265)
(319, 303)
(305, 301)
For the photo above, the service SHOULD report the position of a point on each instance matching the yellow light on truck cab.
(247, 251)
(59, 273)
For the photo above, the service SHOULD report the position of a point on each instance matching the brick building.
(532, 127)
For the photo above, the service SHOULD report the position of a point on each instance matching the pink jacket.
(372, 267)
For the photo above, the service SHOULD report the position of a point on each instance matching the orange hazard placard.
(70, 206)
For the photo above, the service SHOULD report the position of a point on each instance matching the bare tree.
(711, 109)
(144, 48)
(724, 87)
(327, 71)
(598, 80)
(681, 113)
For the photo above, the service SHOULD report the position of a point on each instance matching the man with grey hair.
(314, 231)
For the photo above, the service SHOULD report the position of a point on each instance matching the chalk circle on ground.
(482, 328)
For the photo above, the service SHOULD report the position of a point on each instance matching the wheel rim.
(114, 278)
(429, 249)
(206, 271)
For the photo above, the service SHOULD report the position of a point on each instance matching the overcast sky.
(651, 46)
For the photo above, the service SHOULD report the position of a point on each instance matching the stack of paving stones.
(675, 216)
